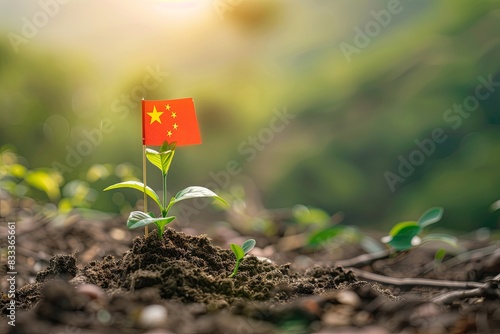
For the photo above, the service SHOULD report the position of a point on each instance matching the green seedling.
(324, 230)
(240, 252)
(162, 160)
(405, 235)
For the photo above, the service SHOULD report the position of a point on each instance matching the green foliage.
(320, 237)
(431, 53)
(18, 180)
(430, 216)
(240, 252)
(405, 235)
(138, 186)
(162, 160)
(140, 219)
(310, 216)
(323, 229)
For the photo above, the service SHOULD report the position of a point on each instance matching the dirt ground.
(92, 275)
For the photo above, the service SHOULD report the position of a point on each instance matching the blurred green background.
(360, 86)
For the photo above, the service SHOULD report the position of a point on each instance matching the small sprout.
(240, 252)
(405, 235)
(439, 256)
(162, 160)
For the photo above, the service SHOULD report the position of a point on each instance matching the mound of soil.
(180, 284)
(178, 268)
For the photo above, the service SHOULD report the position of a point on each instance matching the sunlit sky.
(192, 35)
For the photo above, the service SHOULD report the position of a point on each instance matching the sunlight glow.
(182, 10)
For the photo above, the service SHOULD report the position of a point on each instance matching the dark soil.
(180, 284)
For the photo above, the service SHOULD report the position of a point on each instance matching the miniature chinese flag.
(170, 120)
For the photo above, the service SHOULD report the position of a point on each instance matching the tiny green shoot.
(240, 252)
(161, 159)
(405, 235)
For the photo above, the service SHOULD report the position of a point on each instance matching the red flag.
(170, 120)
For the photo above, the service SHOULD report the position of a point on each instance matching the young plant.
(162, 160)
(405, 235)
(240, 252)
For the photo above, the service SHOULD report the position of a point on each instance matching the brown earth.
(180, 284)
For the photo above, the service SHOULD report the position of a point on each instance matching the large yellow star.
(155, 115)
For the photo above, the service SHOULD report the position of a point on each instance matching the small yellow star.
(175, 126)
(174, 114)
(167, 106)
(155, 116)
(169, 133)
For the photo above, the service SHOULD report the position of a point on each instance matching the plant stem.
(235, 270)
(160, 232)
(164, 211)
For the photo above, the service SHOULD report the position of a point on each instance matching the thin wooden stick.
(364, 259)
(412, 282)
(490, 288)
(146, 230)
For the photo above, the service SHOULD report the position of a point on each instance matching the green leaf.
(342, 233)
(431, 216)
(401, 235)
(194, 192)
(318, 238)
(238, 251)
(310, 216)
(396, 229)
(46, 182)
(139, 219)
(17, 170)
(160, 224)
(248, 245)
(138, 186)
(439, 255)
(162, 159)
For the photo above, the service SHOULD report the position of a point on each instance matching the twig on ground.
(491, 287)
(413, 282)
(363, 259)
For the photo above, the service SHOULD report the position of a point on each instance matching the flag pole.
(146, 231)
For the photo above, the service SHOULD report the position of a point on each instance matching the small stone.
(153, 316)
(92, 291)
(264, 259)
(117, 234)
(348, 297)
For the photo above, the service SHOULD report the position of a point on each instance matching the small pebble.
(348, 297)
(92, 291)
(264, 259)
(153, 316)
